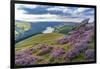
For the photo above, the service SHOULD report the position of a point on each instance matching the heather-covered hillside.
(77, 45)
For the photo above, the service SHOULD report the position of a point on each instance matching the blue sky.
(35, 13)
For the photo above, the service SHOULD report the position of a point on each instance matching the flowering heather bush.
(41, 46)
(72, 53)
(63, 40)
(22, 54)
(32, 50)
(89, 54)
(89, 32)
(24, 57)
(73, 32)
(56, 53)
(82, 30)
(27, 60)
(67, 39)
(27, 51)
(88, 27)
(78, 40)
(75, 35)
(45, 50)
(82, 46)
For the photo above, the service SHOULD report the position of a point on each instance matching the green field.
(49, 39)
(63, 29)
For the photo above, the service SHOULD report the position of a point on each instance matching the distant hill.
(21, 27)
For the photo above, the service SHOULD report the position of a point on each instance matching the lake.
(40, 27)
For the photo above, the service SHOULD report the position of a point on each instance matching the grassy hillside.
(49, 39)
(40, 39)
(64, 29)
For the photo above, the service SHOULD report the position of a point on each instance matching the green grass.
(64, 29)
(80, 58)
(91, 44)
(49, 39)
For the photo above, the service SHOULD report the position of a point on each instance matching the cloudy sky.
(41, 13)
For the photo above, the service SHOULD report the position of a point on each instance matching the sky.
(40, 13)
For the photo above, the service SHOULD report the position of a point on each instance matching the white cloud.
(48, 30)
(46, 17)
(26, 6)
(80, 10)
(19, 15)
(19, 10)
(57, 8)
(30, 6)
